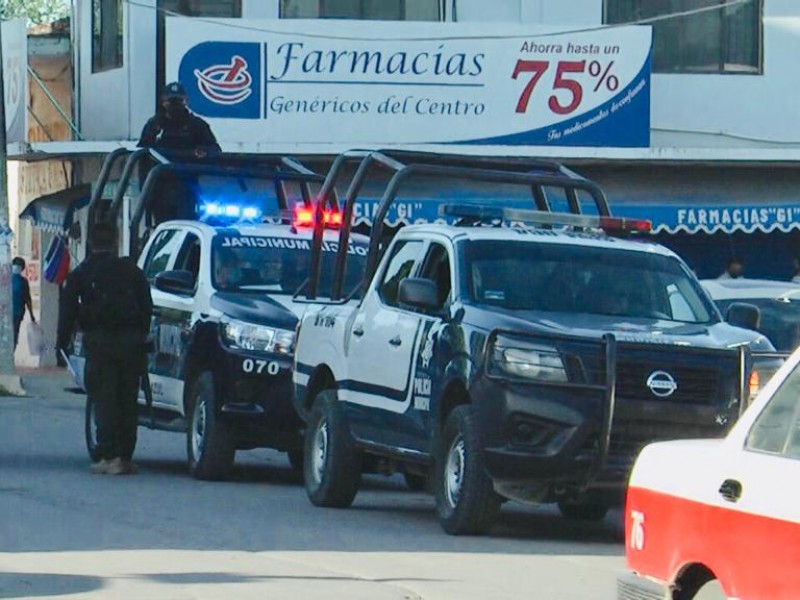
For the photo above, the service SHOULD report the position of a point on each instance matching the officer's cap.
(174, 90)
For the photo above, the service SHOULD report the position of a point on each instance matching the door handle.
(731, 490)
(395, 341)
(358, 331)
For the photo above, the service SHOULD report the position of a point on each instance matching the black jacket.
(186, 133)
(121, 279)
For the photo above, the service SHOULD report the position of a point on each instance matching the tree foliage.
(36, 11)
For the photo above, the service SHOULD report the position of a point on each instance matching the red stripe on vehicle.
(754, 557)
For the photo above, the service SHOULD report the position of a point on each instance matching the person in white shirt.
(734, 269)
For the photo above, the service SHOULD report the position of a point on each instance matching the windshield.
(583, 279)
(780, 320)
(276, 264)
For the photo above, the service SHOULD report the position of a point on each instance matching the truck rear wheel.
(208, 442)
(332, 463)
(466, 502)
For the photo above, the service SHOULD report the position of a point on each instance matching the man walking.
(108, 298)
(20, 295)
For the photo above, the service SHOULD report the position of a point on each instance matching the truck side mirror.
(176, 282)
(419, 293)
(742, 314)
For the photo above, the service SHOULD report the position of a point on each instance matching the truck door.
(168, 311)
(382, 342)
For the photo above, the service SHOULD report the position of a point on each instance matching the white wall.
(104, 101)
(260, 9)
(748, 111)
(141, 59)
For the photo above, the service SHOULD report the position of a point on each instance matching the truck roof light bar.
(482, 212)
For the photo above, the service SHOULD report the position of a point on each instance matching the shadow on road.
(35, 585)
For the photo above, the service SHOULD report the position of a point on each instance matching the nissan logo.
(662, 384)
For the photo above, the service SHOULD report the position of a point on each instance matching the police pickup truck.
(223, 330)
(528, 363)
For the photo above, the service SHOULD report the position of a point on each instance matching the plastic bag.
(35, 339)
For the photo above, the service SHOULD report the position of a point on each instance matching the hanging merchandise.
(57, 261)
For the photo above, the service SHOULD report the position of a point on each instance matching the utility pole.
(6, 323)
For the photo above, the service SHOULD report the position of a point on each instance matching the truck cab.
(513, 354)
(224, 318)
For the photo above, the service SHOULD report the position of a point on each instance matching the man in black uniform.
(179, 134)
(108, 297)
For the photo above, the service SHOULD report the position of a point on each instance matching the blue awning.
(666, 218)
(714, 218)
(54, 212)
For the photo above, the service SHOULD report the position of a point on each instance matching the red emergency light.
(304, 217)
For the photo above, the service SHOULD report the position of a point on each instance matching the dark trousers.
(17, 325)
(112, 377)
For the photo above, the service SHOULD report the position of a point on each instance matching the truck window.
(164, 247)
(437, 268)
(400, 265)
(777, 428)
(189, 256)
(584, 279)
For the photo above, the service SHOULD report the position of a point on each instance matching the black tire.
(332, 463)
(587, 509)
(296, 459)
(209, 446)
(466, 502)
(415, 482)
(90, 430)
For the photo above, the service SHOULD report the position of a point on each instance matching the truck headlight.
(249, 336)
(541, 363)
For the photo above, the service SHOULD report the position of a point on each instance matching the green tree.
(36, 11)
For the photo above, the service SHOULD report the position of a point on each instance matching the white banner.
(359, 82)
(15, 79)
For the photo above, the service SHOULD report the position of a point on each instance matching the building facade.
(717, 170)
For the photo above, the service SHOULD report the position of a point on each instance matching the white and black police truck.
(510, 354)
(223, 328)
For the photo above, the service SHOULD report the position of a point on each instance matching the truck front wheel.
(209, 446)
(466, 502)
(332, 463)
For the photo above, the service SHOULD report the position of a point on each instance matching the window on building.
(726, 39)
(386, 10)
(106, 35)
(203, 8)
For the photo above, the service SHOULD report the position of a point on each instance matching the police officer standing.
(174, 128)
(179, 134)
(108, 298)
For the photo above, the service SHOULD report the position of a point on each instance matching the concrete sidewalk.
(48, 383)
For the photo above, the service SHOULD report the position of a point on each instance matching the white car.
(710, 519)
(778, 301)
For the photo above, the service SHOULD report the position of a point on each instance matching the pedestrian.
(108, 298)
(796, 273)
(733, 269)
(20, 295)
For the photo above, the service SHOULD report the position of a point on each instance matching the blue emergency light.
(229, 212)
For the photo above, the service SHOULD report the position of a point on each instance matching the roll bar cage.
(274, 167)
(535, 174)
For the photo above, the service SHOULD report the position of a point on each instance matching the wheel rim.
(454, 471)
(320, 451)
(198, 428)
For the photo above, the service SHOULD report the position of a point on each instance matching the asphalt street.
(65, 533)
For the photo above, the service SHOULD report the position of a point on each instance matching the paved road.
(68, 534)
